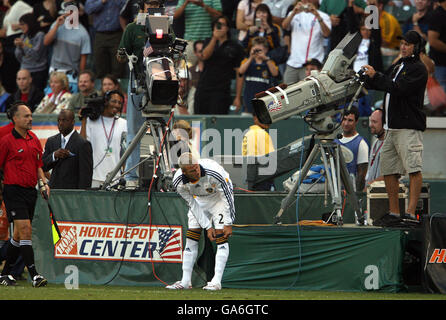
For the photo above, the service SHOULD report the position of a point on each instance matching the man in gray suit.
(69, 155)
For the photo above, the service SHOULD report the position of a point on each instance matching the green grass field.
(24, 291)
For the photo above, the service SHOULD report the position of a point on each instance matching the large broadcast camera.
(159, 80)
(318, 95)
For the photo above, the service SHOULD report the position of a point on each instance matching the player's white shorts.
(201, 217)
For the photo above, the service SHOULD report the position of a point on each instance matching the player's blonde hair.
(186, 159)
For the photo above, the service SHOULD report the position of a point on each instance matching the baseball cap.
(313, 62)
(411, 36)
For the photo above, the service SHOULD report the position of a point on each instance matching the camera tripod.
(336, 176)
(157, 131)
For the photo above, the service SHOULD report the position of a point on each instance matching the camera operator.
(106, 134)
(404, 120)
(132, 43)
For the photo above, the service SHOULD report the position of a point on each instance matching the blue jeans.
(440, 75)
(134, 122)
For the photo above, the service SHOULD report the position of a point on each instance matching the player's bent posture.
(207, 189)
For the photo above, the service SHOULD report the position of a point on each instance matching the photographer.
(309, 26)
(222, 57)
(404, 85)
(106, 133)
(87, 90)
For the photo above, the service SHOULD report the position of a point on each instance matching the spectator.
(437, 42)
(376, 128)
(5, 99)
(195, 72)
(420, 20)
(267, 29)
(133, 41)
(390, 31)
(279, 9)
(222, 57)
(106, 135)
(308, 29)
(258, 71)
(245, 17)
(9, 31)
(46, 13)
(27, 91)
(71, 46)
(30, 51)
(59, 96)
(129, 12)
(87, 90)
(68, 155)
(108, 33)
(357, 145)
(198, 16)
(339, 20)
(312, 64)
(257, 142)
(110, 82)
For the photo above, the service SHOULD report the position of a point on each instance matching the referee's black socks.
(28, 256)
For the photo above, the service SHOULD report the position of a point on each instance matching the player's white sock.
(189, 255)
(220, 261)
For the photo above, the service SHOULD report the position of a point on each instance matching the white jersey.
(212, 194)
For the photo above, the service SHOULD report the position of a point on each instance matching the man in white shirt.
(376, 128)
(106, 135)
(208, 191)
(357, 145)
(308, 26)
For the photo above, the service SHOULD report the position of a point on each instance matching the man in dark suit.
(69, 155)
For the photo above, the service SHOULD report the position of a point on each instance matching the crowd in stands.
(61, 54)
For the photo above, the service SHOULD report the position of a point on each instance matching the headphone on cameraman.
(108, 95)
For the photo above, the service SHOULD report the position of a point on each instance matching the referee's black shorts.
(20, 202)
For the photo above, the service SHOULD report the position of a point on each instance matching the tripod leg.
(288, 200)
(141, 132)
(349, 189)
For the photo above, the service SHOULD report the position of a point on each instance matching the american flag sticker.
(147, 49)
(116, 242)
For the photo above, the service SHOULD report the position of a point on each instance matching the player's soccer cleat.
(7, 281)
(178, 286)
(212, 286)
(39, 281)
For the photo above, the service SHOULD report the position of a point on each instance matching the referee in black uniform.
(21, 162)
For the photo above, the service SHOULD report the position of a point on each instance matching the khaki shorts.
(402, 152)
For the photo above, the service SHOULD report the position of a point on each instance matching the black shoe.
(411, 218)
(7, 281)
(39, 281)
(388, 220)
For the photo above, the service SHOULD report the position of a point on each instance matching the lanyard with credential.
(109, 136)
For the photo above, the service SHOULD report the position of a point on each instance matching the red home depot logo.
(438, 256)
(113, 241)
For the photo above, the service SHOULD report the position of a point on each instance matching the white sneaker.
(212, 286)
(178, 286)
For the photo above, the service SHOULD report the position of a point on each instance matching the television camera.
(318, 98)
(155, 77)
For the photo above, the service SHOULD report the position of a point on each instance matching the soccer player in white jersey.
(207, 189)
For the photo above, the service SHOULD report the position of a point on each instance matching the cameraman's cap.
(411, 37)
(313, 62)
